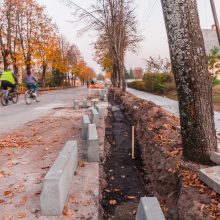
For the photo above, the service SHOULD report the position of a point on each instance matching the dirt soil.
(172, 179)
(124, 177)
(26, 156)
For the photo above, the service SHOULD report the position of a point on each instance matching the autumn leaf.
(21, 202)
(21, 214)
(67, 212)
(8, 193)
(6, 217)
(131, 197)
(112, 202)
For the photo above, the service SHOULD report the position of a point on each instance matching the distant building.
(138, 73)
(210, 39)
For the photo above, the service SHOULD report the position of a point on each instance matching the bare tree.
(116, 23)
(190, 67)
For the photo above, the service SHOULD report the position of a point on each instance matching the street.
(13, 116)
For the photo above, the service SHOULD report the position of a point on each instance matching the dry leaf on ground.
(67, 212)
(21, 214)
(112, 202)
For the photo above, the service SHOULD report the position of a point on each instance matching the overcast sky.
(151, 26)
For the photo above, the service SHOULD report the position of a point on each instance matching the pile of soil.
(172, 179)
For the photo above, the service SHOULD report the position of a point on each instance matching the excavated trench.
(124, 177)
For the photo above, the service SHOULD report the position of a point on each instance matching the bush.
(159, 82)
(215, 82)
(139, 85)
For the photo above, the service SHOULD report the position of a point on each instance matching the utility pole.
(215, 19)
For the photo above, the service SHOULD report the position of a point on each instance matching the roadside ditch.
(123, 184)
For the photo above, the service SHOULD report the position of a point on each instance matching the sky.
(150, 22)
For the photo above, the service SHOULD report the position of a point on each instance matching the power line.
(150, 12)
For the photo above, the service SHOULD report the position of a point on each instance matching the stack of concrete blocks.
(76, 104)
(211, 175)
(149, 209)
(57, 182)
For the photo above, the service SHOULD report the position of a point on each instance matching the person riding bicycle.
(8, 80)
(31, 82)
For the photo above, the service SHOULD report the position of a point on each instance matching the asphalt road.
(168, 104)
(14, 116)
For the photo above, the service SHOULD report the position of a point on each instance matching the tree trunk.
(192, 78)
(44, 74)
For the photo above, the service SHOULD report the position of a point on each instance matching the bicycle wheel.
(14, 97)
(28, 97)
(4, 100)
(37, 97)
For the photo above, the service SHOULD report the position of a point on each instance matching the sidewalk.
(168, 104)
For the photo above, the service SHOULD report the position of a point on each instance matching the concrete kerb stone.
(85, 124)
(92, 144)
(58, 180)
(215, 157)
(76, 104)
(149, 209)
(211, 177)
(100, 109)
(84, 103)
(95, 116)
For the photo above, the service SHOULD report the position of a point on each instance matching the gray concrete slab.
(100, 109)
(149, 209)
(93, 144)
(211, 177)
(58, 180)
(95, 116)
(76, 104)
(85, 124)
(215, 157)
(85, 103)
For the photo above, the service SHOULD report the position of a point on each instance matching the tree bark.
(44, 74)
(193, 81)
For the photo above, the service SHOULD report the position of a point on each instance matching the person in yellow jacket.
(8, 80)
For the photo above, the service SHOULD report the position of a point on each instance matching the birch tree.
(193, 81)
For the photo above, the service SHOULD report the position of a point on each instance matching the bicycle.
(29, 96)
(9, 95)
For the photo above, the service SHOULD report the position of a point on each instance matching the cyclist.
(8, 80)
(31, 82)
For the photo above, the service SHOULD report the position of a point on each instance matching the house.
(210, 39)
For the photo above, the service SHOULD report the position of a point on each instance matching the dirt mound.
(173, 180)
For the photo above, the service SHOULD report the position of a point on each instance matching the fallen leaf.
(131, 197)
(45, 167)
(8, 193)
(133, 212)
(21, 214)
(67, 212)
(82, 163)
(112, 202)
(6, 217)
(22, 201)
